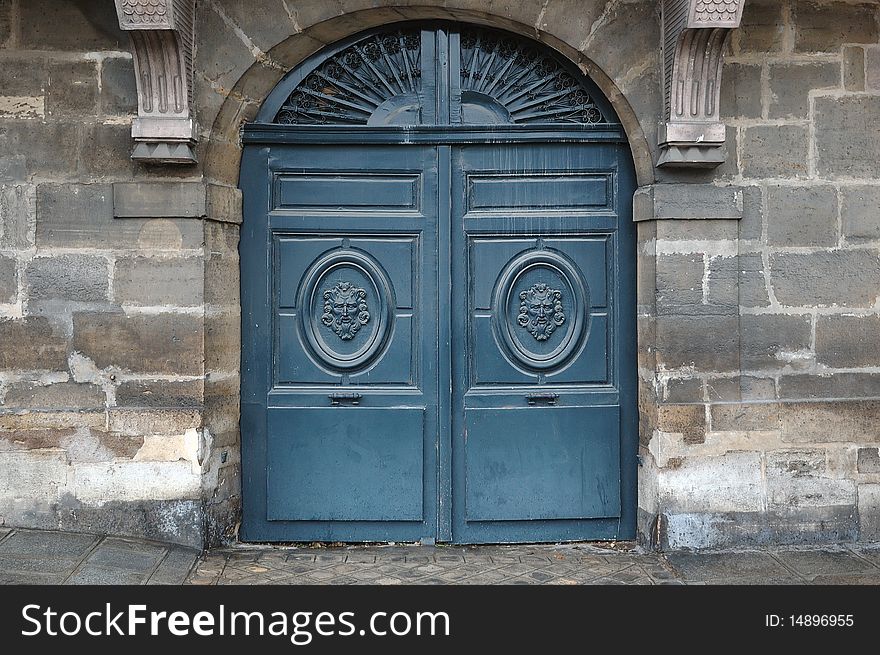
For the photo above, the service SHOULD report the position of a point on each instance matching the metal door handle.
(546, 398)
(337, 399)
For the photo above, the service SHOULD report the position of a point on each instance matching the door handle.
(337, 399)
(542, 398)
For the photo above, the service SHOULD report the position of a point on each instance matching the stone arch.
(222, 150)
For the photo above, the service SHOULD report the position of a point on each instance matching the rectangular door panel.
(346, 464)
(538, 310)
(539, 191)
(347, 192)
(345, 309)
(533, 463)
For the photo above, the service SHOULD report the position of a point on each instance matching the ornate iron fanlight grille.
(504, 78)
(353, 84)
(527, 81)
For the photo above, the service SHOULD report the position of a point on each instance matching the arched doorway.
(438, 303)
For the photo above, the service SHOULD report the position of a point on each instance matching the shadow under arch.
(258, 82)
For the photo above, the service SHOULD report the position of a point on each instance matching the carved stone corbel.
(161, 34)
(695, 33)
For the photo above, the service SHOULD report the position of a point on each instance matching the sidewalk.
(38, 557)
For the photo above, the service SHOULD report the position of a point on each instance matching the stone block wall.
(765, 331)
(107, 402)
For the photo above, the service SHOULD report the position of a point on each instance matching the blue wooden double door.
(439, 343)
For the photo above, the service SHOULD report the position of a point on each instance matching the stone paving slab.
(51, 557)
(37, 557)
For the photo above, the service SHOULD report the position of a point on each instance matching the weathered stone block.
(108, 151)
(824, 27)
(72, 215)
(854, 68)
(742, 388)
(848, 136)
(707, 343)
(221, 281)
(752, 283)
(790, 85)
(740, 417)
(741, 91)
(872, 68)
(751, 225)
(852, 421)
(611, 47)
(18, 211)
(61, 395)
(799, 478)
(159, 200)
(5, 23)
(848, 341)
(135, 481)
(727, 483)
(224, 204)
(72, 88)
(118, 88)
(795, 526)
(775, 151)
(869, 460)
(155, 421)
(48, 148)
(860, 212)
(762, 28)
(38, 476)
(723, 283)
(772, 341)
(679, 283)
(223, 57)
(684, 390)
(81, 215)
(688, 201)
(148, 393)
(689, 420)
(831, 386)
(53, 419)
(222, 341)
(869, 512)
(37, 439)
(166, 234)
(62, 25)
(155, 281)
(8, 279)
(81, 278)
(847, 278)
(24, 75)
(30, 344)
(160, 343)
(802, 216)
(715, 230)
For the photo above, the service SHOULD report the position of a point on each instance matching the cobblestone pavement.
(38, 557)
(551, 564)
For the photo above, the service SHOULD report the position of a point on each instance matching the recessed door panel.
(345, 309)
(541, 463)
(346, 464)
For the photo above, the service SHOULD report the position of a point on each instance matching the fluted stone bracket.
(695, 33)
(161, 34)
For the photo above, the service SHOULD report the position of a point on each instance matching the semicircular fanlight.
(522, 81)
(503, 78)
(376, 80)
